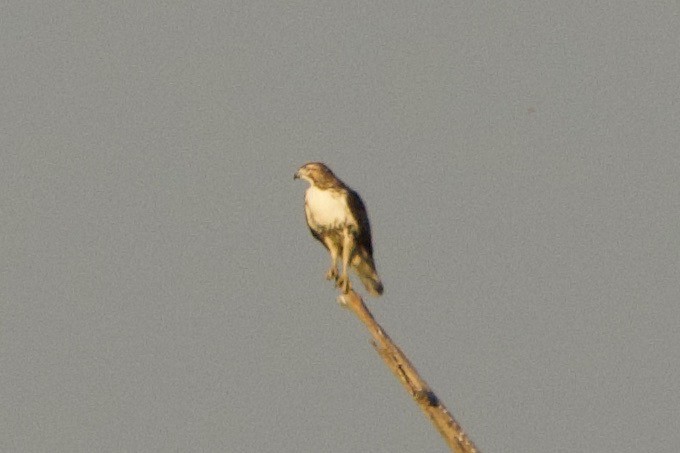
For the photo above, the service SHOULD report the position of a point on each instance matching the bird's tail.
(363, 265)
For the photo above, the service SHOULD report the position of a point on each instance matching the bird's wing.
(358, 210)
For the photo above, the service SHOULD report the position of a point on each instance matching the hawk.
(337, 218)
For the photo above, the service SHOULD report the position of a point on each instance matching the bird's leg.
(332, 273)
(347, 251)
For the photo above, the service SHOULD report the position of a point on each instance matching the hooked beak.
(296, 175)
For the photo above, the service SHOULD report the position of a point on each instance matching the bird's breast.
(327, 209)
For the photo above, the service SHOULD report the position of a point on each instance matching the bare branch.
(416, 386)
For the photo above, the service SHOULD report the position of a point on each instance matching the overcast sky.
(160, 291)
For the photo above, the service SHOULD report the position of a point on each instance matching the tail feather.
(364, 266)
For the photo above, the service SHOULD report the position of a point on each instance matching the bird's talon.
(332, 274)
(343, 283)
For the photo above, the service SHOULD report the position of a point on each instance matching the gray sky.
(159, 290)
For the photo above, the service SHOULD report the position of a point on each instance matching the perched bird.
(337, 217)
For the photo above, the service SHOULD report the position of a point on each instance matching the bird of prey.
(337, 217)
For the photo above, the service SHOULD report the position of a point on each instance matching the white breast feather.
(327, 209)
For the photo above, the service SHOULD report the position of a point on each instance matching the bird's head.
(316, 173)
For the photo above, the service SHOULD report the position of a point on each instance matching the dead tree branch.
(416, 386)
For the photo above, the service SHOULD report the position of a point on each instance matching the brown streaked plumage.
(337, 218)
